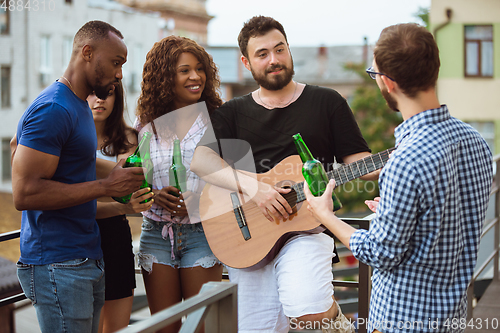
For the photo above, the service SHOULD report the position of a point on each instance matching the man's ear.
(388, 83)
(245, 62)
(87, 52)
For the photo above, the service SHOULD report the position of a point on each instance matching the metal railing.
(494, 224)
(364, 281)
(221, 318)
(210, 305)
(20, 296)
(216, 305)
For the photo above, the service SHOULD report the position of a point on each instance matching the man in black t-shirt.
(295, 289)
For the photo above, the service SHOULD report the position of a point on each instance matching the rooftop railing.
(216, 304)
(490, 225)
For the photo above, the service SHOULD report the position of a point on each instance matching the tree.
(377, 123)
(423, 14)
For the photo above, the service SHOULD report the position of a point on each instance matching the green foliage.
(377, 123)
(423, 14)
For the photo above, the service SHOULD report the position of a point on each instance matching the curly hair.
(255, 27)
(115, 128)
(158, 78)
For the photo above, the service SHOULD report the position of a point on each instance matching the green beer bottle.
(313, 171)
(140, 158)
(177, 171)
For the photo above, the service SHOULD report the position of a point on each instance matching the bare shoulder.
(131, 135)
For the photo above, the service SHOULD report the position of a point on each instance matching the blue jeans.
(67, 296)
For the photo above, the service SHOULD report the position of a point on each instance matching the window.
(4, 21)
(6, 171)
(479, 50)
(5, 86)
(45, 61)
(67, 49)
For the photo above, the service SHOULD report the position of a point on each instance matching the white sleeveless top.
(99, 154)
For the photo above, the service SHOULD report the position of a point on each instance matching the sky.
(312, 22)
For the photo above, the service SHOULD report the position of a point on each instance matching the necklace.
(70, 86)
(272, 107)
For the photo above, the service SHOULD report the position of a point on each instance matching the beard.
(391, 102)
(277, 82)
(101, 90)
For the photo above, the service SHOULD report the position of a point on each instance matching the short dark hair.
(409, 54)
(95, 30)
(257, 26)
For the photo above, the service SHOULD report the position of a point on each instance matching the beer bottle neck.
(304, 152)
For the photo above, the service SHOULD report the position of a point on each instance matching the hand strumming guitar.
(271, 202)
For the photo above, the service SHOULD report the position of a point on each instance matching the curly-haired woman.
(180, 84)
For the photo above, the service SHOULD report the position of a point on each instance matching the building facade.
(36, 42)
(468, 36)
(186, 18)
(321, 66)
(35, 47)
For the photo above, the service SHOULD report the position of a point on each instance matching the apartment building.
(468, 36)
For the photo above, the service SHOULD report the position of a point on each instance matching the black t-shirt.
(320, 115)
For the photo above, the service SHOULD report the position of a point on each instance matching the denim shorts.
(190, 247)
(67, 296)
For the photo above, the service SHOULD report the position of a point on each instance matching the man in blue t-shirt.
(54, 184)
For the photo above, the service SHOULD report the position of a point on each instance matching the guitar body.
(222, 212)
(224, 234)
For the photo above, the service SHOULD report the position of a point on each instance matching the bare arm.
(33, 189)
(356, 157)
(322, 209)
(104, 167)
(209, 166)
(13, 147)
(135, 205)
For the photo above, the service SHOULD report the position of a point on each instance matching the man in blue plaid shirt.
(434, 191)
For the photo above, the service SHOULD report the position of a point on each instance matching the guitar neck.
(357, 169)
(351, 171)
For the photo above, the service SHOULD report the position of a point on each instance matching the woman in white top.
(179, 90)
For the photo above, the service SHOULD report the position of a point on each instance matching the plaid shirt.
(424, 239)
(161, 150)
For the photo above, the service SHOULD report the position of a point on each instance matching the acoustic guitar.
(241, 236)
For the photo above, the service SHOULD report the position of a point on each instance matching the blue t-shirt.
(61, 124)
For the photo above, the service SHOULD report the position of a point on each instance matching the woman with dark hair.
(179, 90)
(115, 140)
